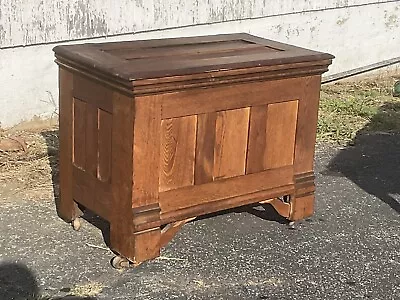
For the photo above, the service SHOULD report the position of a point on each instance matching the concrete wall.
(358, 32)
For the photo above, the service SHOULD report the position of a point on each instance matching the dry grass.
(29, 173)
(87, 290)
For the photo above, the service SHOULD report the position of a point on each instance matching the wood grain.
(281, 133)
(307, 124)
(146, 156)
(79, 134)
(178, 141)
(223, 204)
(105, 140)
(230, 97)
(91, 193)
(231, 143)
(225, 188)
(93, 92)
(121, 239)
(66, 207)
(205, 144)
(257, 139)
(91, 140)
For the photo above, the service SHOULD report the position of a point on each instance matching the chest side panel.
(228, 141)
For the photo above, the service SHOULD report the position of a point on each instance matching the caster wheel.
(76, 224)
(291, 225)
(119, 263)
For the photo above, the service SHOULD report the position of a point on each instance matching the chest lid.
(217, 56)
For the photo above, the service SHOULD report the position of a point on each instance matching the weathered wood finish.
(149, 142)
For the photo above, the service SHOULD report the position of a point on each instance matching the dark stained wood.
(224, 188)
(178, 140)
(230, 97)
(66, 207)
(79, 134)
(281, 133)
(205, 146)
(231, 141)
(105, 142)
(91, 140)
(92, 92)
(146, 150)
(184, 50)
(163, 131)
(102, 59)
(257, 139)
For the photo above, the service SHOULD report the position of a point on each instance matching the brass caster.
(119, 262)
(76, 224)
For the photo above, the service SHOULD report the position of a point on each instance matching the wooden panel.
(178, 139)
(91, 193)
(93, 92)
(205, 142)
(225, 188)
(79, 134)
(91, 141)
(236, 96)
(281, 133)
(231, 143)
(307, 125)
(257, 139)
(104, 136)
(146, 156)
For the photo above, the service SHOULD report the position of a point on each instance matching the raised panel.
(280, 134)
(178, 139)
(231, 143)
(205, 146)
(91, 141)
(104, 142)
(257, 139)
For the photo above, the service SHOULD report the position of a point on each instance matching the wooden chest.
(155, 133)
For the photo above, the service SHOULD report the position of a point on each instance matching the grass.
(348, 108)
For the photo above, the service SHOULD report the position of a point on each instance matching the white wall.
(356, 32)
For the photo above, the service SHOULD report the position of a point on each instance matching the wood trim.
(225, 188)
(223, 204)
(198, 80)
(231, 97)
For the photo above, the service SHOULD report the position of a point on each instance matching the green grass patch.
(350, 108)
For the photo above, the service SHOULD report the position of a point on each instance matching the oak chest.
(155, 133)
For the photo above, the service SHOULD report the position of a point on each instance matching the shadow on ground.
(19, 283)
(373, 163)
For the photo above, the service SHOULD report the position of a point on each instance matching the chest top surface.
(151, 59)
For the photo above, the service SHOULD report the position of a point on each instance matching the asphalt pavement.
(350, 248)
